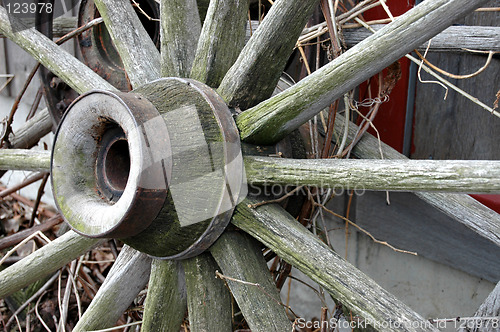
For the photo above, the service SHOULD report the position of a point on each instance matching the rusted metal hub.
(97, 50)
(97, 47)
(58, 95)
(159, 167)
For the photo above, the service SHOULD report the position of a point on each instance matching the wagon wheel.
(244, 77)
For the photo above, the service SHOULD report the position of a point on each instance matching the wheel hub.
(159, 167)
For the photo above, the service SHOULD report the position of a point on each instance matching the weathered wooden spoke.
(131, 40)
(44, 261)
(241, 260)
(257, 70)
(32, 131)
(208, 297)
(23, 159)
(52, 56)
(222, 38)
(166, 300)
(180, 31)
(244, 76)
(275, 228)
(394, 174)
(125, 280)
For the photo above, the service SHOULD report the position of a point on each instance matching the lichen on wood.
(221, 40)
(469, 176)
(180, 31)
(241, 261)
(27, 160)
(208, 296)
(165, 304)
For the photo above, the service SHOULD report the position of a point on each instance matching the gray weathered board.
(454, 128)
(450, 40)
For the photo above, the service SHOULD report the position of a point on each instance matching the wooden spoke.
(67, 67)
(61, 25)
(26, 160)
(208, 296)
(222, 38)
(462, 208)
(165, 304)
(29, 134)
(180, 31)
(271, 120)
(469, 176)
(32, 131)
(275, 228)
(139, 55)
(44, 262)
(128, 276)
(456, 38)
(249, 279)
(466, 210)
(256, 72)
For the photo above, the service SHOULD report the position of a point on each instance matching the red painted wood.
(390, 119)
(491, 201)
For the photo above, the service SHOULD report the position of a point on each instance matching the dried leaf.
(26, 249)
(392, 77)
(101, 256)
(495, 104)
(11, 225)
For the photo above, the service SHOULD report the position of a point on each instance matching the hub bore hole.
(113, 162)
(117, 165)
